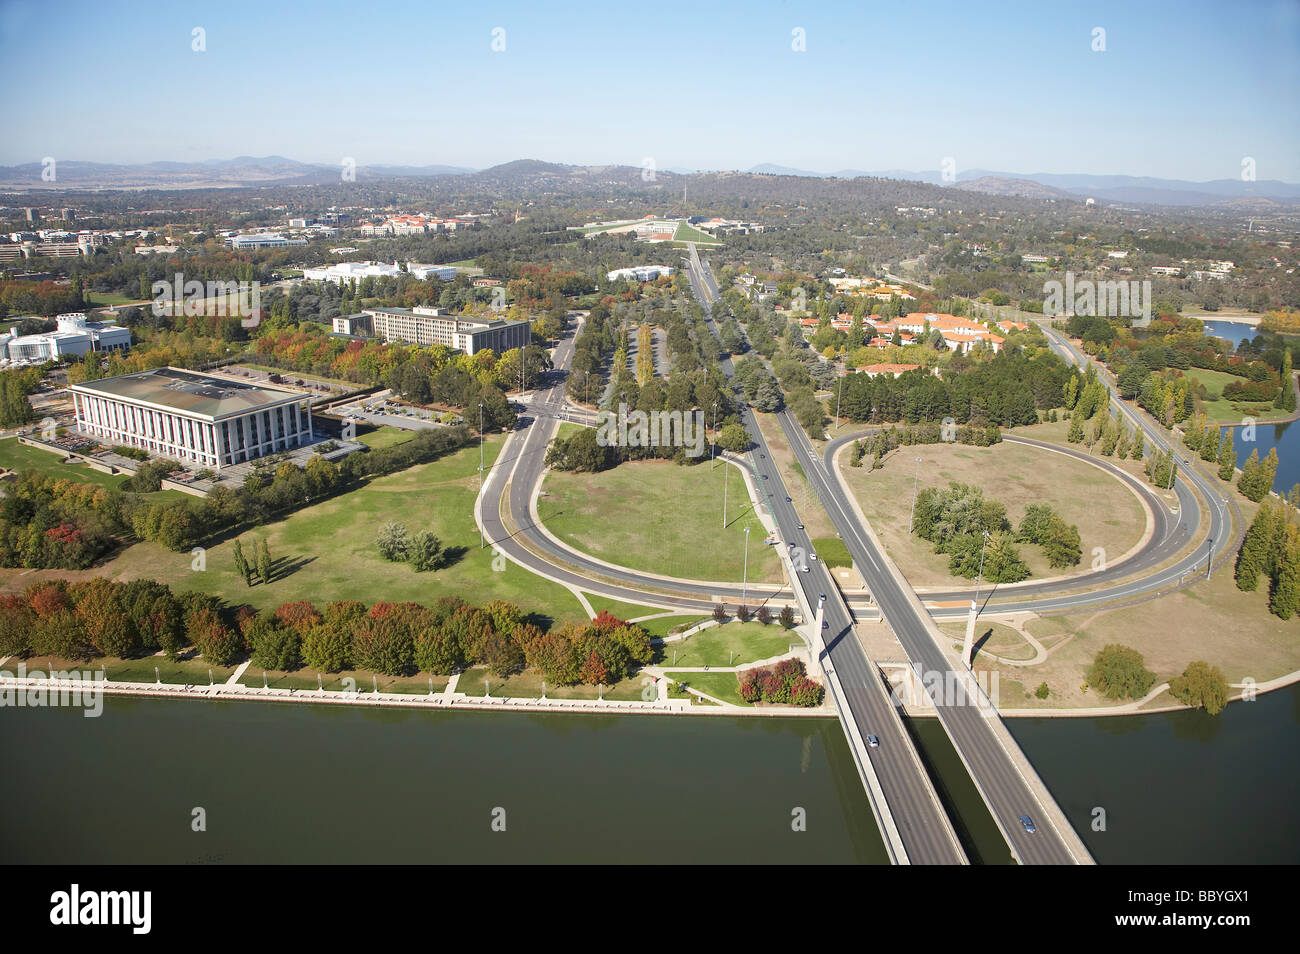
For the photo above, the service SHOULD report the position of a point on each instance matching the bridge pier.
(968, 644)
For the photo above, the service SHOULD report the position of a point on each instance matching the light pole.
(481, 542)
(725, 472)
(744, 584)
(981, 576)
(1209, 558)
(911, 520)
(838, 390)
(714, 444)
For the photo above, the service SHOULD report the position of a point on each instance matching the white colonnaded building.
(197, 419)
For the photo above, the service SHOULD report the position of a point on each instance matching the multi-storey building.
(197, 419)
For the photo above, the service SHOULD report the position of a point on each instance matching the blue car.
(1028, 824)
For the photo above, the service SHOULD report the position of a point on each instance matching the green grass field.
(1222, 411)
(105, 299)
(22, 457)
(624, 611)
(714, 646)
(528, 685)
(720, 685)
(661, 518)
(832, 551)
(689, 233)
(327, 550)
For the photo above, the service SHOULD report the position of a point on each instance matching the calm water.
(1284, 437)
(296, 783)
(1179, 787)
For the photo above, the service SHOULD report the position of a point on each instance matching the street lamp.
(911, 520)
(744, 585)
(481, 542)
(1209, 558)
(981, 576)
(714, 444)
(838, 390)
(725, 473)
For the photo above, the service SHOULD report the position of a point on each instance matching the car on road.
(825, 625)
(1028, 824)
(812, 556)
(801, 526)
(805, 568)
(787, 500)
(822, 597)
(873, 742)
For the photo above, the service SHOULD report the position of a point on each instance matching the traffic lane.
(993, 769)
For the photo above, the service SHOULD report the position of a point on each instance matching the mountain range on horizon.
(250, 171)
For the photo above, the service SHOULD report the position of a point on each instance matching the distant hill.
(999, 185)
(239, 172)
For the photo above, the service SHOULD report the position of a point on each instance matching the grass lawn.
(624, 611)
(665, 625)
(23, 457)
(528, 685)
(1106, 512)
(347, 681)
(1211, 621)
(689, 233)
(996, 638)
(327, 550)
(661, 518)
(832, 551)
(811, 512)
(105, 299)
(1223, 411)
(720, 685)
(192, 672)
(713, 646)
(385, 436)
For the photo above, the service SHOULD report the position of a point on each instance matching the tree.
(787, 617)
(1120, 672)
(1284, 598)
(273, 645)
(425, 551)
(1202, 686)
(264, 561)
(1042, 691)
(1258, 543)
(1227, 457)
(394, 542)
(326, 648)
(734, 438)
(742, 613)
(719, 613)
(763, 615)
(241, 564)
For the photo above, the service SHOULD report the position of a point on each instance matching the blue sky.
(1183, 89)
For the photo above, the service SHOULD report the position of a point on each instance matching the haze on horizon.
(1180, 92)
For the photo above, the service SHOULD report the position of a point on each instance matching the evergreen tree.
(1076, 428)
(241, 564)
(1252, 557)
(1284, 599)
(1249, 475)
(264, 562)
(1227, 456)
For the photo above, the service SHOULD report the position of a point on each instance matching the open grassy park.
(17, 456)
(661, 518)
(1222, 411)
(732, 644)
(326, 551)
(1106, 512)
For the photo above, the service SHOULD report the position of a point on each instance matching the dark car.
(1028, 824)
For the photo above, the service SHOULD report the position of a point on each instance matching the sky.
(1181, 90)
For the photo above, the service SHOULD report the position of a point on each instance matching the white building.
(73, 337)
(263, 240)
(640, 273)
(197, 419)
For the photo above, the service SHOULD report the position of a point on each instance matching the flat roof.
(188, 392)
